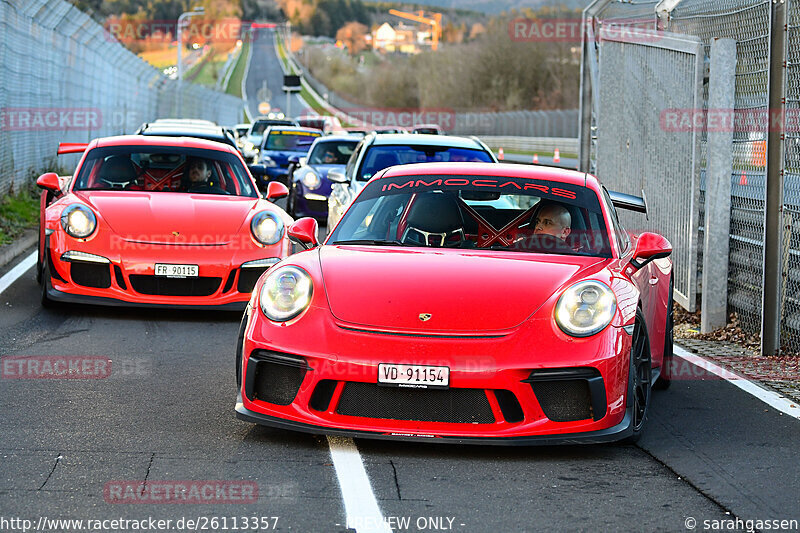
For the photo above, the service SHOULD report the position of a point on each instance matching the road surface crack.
(147, 474)
(58, 460)
(396, 484)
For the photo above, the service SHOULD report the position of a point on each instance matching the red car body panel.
(492, 323)
(138, 228)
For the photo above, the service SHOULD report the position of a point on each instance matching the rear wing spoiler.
(629, 201)
(71, 148)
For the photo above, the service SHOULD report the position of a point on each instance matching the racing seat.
(434, 219)
(117, 172)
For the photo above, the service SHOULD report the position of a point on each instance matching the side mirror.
(276, 190)
(49, 181)
(650, 246)
(305, 232)
(294, 159)
(337, 176)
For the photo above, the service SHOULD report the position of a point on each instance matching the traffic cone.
(535, 159)
(743, 179)
(556, 156)
(500, 153)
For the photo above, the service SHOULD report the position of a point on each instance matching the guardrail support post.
(773, 208)
(721, 101)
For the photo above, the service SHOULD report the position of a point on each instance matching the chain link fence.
(65, 79)
(750, 23)
(790, 318)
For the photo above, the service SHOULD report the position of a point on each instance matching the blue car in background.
(309, 186)
(278, 145)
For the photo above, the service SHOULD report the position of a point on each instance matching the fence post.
(773, 208)
(721, 101)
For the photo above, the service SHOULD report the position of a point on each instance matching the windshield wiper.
(376, 242)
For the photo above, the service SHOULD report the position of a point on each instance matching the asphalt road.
(165, 414)
(265, 77)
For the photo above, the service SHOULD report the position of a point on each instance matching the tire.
(639, 376)
(239, 350)
(665, 378)
(45, 300)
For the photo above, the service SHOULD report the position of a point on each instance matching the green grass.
(235, 82)
(17, 213)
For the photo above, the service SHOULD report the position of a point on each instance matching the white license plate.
(414, 376)
(176, 271)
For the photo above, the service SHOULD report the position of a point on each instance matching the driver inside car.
(550, 219)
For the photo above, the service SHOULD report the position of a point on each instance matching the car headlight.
(285, 293)
(267, 228)
(310, 179)
(267, 160)
(78, 221)
(585, 308)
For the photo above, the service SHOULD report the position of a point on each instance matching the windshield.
(331, 152)
(164, 169)
(295, 141)
(499, 213)
(380, 157)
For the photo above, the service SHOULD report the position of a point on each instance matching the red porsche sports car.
(464, 302)
(160, 221)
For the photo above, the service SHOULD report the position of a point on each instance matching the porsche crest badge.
(424, 316)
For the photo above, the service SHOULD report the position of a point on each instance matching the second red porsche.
(157, 221)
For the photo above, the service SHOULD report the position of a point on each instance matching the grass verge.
(235, 81)
(18, 212)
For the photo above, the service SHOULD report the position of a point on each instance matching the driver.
(329, 157)
(551, 218)
(197, 174)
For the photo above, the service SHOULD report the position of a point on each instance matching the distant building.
(401, 38)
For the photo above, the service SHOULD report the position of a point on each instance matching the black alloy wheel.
(639, 382)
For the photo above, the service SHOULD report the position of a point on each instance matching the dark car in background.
(175, 128)
(255, 134)
(309, 185)
(279, 144)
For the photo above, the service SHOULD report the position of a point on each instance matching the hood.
(322, 170)
(155, 216)
(464, 292)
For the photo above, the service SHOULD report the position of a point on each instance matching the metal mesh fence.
(67, 80)
(638, 82)
(790, 323)
(748, 22)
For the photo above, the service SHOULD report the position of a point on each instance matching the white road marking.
(771, 398)
(15, 273)
(360, 504)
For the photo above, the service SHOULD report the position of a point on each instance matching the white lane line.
(771, 398)
(15, 273)
(360, 504)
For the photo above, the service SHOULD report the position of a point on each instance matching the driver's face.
(199, 171)
(549, 221)
(329, 157)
